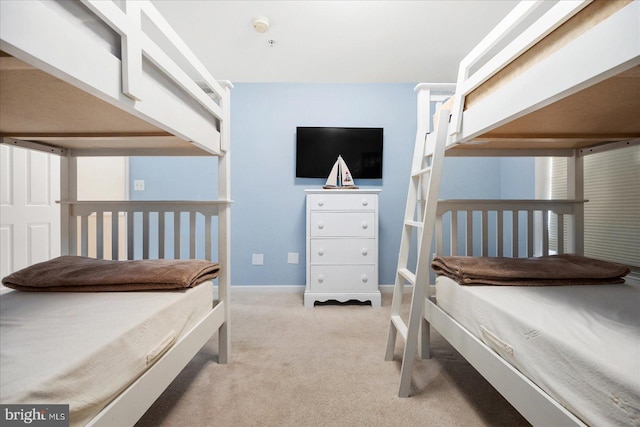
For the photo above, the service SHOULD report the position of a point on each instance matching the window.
(612, 213)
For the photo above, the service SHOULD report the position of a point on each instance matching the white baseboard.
(299, 289)
(385, 289)
(388, 289)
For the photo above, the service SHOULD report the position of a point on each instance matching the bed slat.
(100, 234)
(115, 234)
(130, 235)
(515, 240)
(176, 235)
(560, 233)
(145, 235)
(84, 233)
(545, 236)
(207, 237)
(529, 233)
(469, 235)
(499, 230)
(161, 232)
(485, 232)
(192, 234)
(454, 232)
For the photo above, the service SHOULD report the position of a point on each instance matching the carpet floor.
(324, 366)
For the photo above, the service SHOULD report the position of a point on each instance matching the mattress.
(83, 349)
(580, 344)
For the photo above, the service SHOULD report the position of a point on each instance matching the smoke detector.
(261, 24)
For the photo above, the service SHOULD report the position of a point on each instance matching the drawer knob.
(321, 225)
(320, 278)
(320, 202)
(364, 278)
(320, 251)
(365, 202)
(364, 225)
(365, 252)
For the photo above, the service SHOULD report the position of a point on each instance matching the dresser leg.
(308, 301)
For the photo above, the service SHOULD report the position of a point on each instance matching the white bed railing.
(468, 81)
(135, 43)
(156, 78)
(150, 229)
(518, 226)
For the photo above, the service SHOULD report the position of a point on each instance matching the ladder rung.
(416, 224)
(411, 278)
(423, 171)
(400, 326)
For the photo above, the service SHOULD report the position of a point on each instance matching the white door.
(29, 215)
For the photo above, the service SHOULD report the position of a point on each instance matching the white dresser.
(342, 246)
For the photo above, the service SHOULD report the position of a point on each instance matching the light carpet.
(292, 366)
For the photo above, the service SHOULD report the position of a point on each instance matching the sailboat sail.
(332, 180)
(340, 176)
(345, 174)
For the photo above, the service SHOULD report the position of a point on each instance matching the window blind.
(612, 214)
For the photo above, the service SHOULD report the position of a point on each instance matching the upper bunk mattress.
(83, 349)
(580, 344)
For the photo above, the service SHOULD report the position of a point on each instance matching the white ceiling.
(334, 41)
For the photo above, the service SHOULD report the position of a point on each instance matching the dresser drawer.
(343, 251)
(342, 224)
(343, 278)
(328, 202)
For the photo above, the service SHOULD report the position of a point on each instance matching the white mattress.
(581, 344)
(83, 349)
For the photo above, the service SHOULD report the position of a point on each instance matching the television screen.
(317, 149)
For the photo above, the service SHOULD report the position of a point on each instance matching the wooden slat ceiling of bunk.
(607, 111)
(37, 106)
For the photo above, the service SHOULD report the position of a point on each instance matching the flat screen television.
(317, 149)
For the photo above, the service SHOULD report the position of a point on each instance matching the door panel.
(29, 216)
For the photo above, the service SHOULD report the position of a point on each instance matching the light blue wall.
(517, 178)
(268, 214)
(174, 178)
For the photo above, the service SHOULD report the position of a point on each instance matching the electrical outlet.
(138, 185)
(257, 259)
(292, 257)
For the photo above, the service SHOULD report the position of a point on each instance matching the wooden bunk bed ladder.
(420, 216)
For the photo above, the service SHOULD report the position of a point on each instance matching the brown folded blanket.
(81, 274)
(565, 269)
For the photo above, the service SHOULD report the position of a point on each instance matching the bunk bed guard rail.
(137, 229)
(514, 228)
(468, 79)
(136, 43)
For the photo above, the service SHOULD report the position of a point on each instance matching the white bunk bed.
(98, 78)
(565, 83)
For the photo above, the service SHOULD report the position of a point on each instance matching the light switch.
(138, 185)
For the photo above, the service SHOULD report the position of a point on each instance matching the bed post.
(68, 191)
(575, 191)
(224, 225)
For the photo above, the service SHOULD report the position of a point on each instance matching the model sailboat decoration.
(340, 177)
